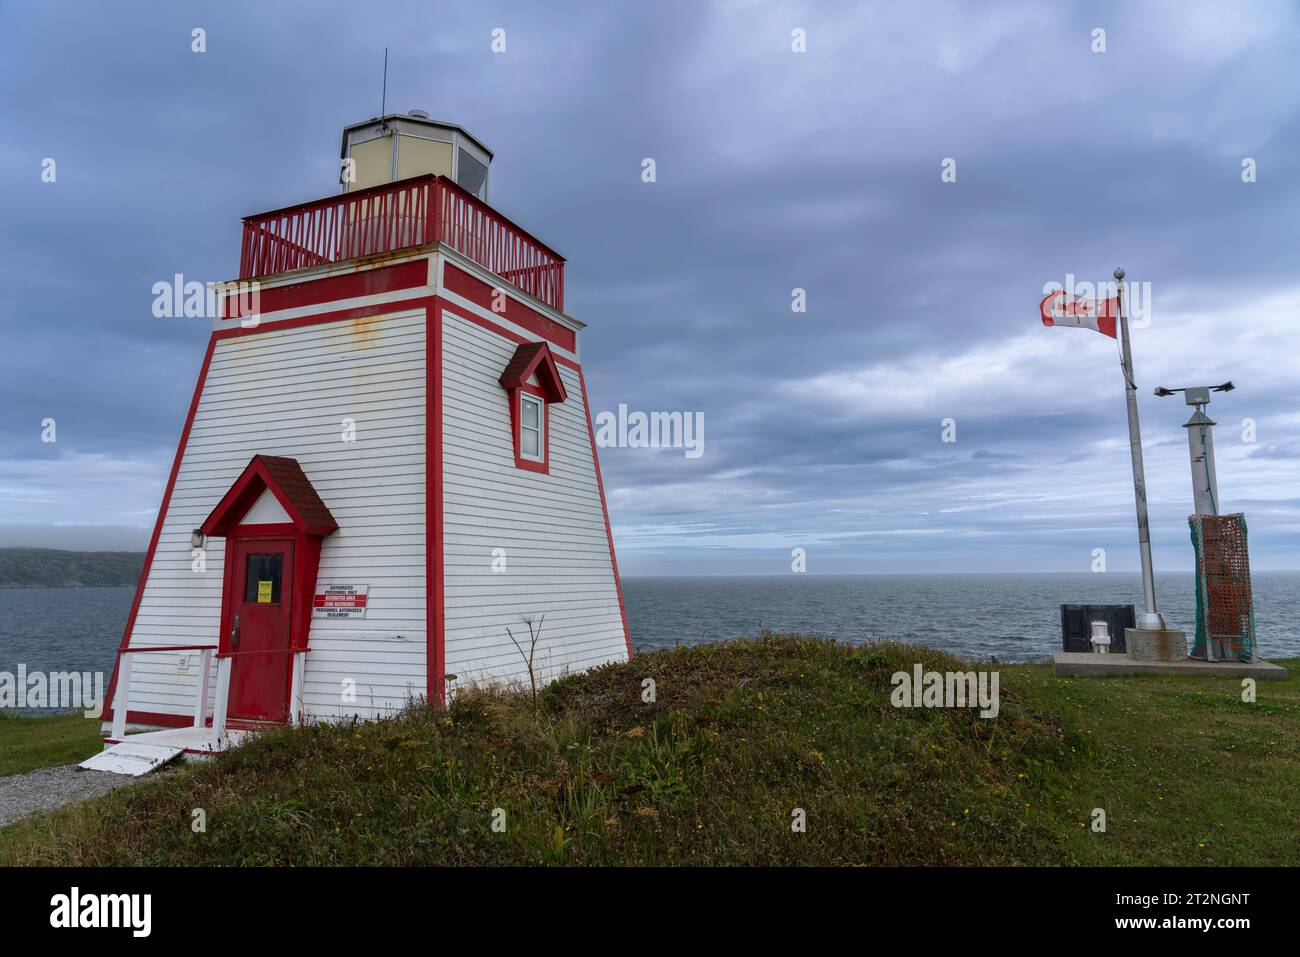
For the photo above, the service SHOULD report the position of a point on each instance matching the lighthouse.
(387, 469)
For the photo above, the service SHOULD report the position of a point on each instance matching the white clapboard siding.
(286, 392)
(551, 527)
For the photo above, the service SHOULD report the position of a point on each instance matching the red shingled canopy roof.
(534, 357)
(291, 488)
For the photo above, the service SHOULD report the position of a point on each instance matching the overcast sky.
(775, 170)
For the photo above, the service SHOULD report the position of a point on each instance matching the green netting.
(1224, 610)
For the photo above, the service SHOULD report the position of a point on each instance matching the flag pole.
(1150, 618)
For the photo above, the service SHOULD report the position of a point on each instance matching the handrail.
(326, 201)
(392, 216)
(129, 651)
(268, 651)
(473, 200)
(121, 702)
(122, 699)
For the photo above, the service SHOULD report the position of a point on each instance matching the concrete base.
(1155, 644)
(1076, 664)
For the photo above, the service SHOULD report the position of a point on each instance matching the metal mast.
(1150, 618)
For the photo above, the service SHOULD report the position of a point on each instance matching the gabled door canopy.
(285, 479)
(309, 522)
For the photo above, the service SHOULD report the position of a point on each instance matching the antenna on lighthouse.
(383, 98)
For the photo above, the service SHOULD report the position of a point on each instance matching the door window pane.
(262, 578)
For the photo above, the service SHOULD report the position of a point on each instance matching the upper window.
(532, 381)
(532, 427)
(471, 175)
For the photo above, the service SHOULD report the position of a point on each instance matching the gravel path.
(22, 795)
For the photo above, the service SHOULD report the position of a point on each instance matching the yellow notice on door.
(264, 593)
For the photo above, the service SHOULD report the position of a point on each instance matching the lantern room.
(399, 146)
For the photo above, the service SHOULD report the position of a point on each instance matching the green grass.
(1187, 772)
(30, 743)
(740, 736)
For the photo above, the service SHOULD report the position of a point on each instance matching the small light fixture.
(1100, 638)
(196, 538)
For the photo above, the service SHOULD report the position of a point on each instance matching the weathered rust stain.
(365, 331)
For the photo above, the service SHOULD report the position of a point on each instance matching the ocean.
(1010, 617)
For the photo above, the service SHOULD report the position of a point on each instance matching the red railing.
(384, 219)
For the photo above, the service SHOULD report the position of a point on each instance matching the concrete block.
(1072, 664)
(1155, 644)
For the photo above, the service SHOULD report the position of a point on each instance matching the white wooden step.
(131, 758)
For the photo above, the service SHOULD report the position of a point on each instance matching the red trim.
(158, 523)
(457, 280)
(358, 312)
(316, 290)
(154, 717)
(461, 313)
(609, 534)
(267, 530)
(435, 620)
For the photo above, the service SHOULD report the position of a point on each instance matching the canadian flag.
(1060, 309)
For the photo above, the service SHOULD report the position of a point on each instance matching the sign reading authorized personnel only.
(340, 601)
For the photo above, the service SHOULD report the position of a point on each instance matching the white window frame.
(541, 426)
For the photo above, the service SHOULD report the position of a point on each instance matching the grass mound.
(739, 736)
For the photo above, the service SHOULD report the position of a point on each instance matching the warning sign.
(264, 593)
(340, 601)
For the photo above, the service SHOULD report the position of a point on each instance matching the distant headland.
(58, 568)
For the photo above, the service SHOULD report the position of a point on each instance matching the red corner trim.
(435, 619)
(609, 534)
(158, 524)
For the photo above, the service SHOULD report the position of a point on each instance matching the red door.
(258, 634)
